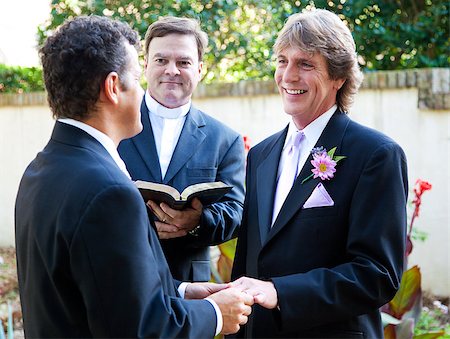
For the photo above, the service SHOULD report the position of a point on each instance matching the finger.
(237, 282)
(163, 227)
(171, 235)
(171, 213)
(248, 299)
(246, 310)
(157, 211)
(242, 319)
(260, 298)
(196, 204)
(213, 288)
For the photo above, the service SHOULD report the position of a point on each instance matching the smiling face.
(172, 69)
(304, 84)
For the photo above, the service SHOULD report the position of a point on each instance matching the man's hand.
(263, 292)
(173, 223)
(201, 290)
(235, 307)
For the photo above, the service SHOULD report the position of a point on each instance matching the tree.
(396, 34)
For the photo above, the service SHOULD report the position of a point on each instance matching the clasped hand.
(235, 299)
(175, 223)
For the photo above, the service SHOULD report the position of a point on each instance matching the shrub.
(16, 79)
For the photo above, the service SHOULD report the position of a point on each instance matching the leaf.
(338, 158)
(228, 248)
(430, 335)
(224, 266)
(388, 319)
(405, 297)
(331, 152)
(389, 332)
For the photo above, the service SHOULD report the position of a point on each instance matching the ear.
(200, 68)
(339, 83)
(145, 63)
(112, 87)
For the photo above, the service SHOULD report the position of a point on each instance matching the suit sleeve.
(375, 247)
(220, 221)
(123, 277)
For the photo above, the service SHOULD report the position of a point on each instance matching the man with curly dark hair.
(89, 262)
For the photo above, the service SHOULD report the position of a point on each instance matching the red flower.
(419, 188)
(247, 143)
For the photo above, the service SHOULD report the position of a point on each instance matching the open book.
(207, 193)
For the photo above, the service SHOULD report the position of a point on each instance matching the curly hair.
(173, 25)
(322, 31)
(77, 58)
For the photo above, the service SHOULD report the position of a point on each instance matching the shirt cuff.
(182, 289)
(182, 292)
(218, 316)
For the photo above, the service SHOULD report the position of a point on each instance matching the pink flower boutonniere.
(324, 163)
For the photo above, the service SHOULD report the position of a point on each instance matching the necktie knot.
(296, 140)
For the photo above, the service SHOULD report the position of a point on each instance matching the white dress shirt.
(167, 124)
(311, 133)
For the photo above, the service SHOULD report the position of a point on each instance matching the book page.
(201, 187)
(159, 188)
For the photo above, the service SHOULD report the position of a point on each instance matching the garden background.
(403, 48)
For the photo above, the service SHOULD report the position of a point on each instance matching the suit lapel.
(145, 144)
(191, 136)
(331, 137)
(266, 182)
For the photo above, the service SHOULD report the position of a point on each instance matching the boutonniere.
(324, 163)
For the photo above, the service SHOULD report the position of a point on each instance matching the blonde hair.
(321, 31)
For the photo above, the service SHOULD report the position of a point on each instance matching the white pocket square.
(319, 198)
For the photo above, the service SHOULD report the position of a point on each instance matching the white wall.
(24, 131)
(423, 134)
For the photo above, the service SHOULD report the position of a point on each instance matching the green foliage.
(402, 314)
(389, 35)
(405, 307)
(222, 271)
(399, 34)
(14, 79)
(430, 321)
(406, 296)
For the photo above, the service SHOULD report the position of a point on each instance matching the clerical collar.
(164, 112)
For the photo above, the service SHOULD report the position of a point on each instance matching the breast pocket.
(206, 173)
(318, 212)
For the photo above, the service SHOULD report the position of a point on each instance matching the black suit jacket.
(206, 151)
(332, 266)
(89, 263)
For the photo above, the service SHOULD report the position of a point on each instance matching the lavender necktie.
(288, 174)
